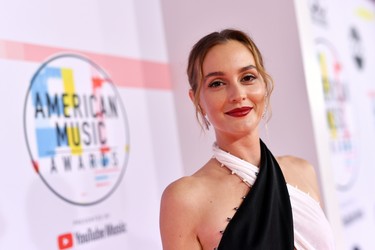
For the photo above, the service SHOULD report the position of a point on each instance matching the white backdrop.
(126, 40)
(339, 56)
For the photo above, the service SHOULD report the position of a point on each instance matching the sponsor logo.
(65, 241)
(76, 129)
(356, 47)
(352, 217)
(318, 11)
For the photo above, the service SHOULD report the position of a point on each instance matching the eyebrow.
(220, 73)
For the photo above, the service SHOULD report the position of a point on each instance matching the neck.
(244, 147)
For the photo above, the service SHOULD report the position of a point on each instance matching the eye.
(215, 84)
(248, 78)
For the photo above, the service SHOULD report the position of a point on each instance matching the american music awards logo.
(339, 116)
(76, 129)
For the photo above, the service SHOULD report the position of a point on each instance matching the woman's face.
(233, 93)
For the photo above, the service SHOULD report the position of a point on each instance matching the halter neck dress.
(274, 215)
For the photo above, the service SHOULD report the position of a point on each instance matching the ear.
(192, 98)
(191, 95)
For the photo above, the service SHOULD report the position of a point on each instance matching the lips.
(239, 112)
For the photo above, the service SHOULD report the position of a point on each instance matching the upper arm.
(301, 174)
(311, 179)
(179, 218)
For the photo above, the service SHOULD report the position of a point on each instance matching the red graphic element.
(125, 72)
(97, 82)
(65, 241)
(107, 171)
(337, 68)
(103, 184)
(36, 166)
(104, 149)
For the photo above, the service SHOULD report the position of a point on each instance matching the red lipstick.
(239, 112)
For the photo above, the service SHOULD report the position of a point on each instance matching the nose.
(237, 93)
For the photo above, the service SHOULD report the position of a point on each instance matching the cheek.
(207, 106)
(204, 103)
(259, 96)
(211, 104)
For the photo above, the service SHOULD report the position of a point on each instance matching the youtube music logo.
(65, 241)
(89, 235)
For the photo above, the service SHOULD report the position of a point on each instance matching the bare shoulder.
(189, 191)
(301, 174)
(183, 192)
(179, 213)
(292, 163)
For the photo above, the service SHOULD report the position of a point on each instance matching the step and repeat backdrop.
(341, 36)
(88, 128)
(87, 125)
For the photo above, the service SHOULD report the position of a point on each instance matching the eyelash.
(217, 83)
(252, 78)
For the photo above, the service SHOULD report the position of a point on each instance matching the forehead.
(230, 55)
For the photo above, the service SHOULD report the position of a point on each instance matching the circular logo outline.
(122, 107)
(348, 184)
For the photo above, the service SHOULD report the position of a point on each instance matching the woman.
(239, 199)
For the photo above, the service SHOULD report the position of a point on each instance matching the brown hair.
(199, 52)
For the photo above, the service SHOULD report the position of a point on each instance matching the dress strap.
(245, 170)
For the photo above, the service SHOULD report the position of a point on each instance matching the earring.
(265, 106)
(206, 122)
(204, 118)
(265, 120)
(200, 110)
(264, 112)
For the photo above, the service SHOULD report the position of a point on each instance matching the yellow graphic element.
(365, 14)
(67, 77)
(327, 89)
(127, 148)
(332, 124)
(69, 90)
(73, 136)
(324, 71)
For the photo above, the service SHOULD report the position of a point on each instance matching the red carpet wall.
(88, 130)
(338, 41)
(87, 126)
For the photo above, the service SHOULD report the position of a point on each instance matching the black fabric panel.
(264, 219)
